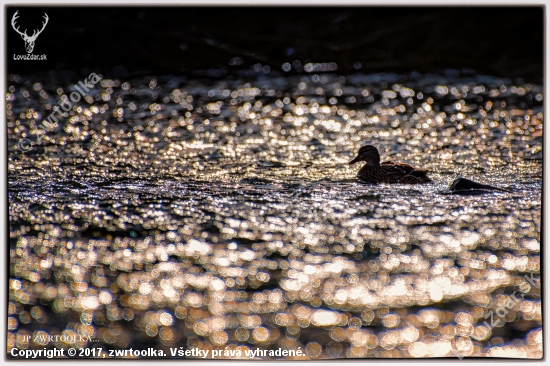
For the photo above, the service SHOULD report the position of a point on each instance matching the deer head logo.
(29, 40)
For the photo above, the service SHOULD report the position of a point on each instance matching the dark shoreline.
(500, 41)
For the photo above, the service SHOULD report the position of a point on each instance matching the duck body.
(393, 173)
(388, 171)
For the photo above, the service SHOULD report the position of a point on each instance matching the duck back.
(392, 172)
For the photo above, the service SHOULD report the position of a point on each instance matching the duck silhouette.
(388, 171)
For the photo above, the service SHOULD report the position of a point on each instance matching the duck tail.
(420, 173)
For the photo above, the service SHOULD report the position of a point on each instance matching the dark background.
(500, 41)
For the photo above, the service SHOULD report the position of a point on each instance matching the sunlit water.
(222, 214)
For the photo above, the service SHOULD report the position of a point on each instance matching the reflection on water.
(222, 214)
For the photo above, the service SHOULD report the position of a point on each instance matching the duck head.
(368, 154)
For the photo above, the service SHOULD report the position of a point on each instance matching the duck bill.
(355, 160)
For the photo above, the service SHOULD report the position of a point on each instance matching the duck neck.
(373, 162)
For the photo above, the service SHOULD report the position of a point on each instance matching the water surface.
(164, 211)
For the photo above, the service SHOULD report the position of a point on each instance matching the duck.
(388, 171)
